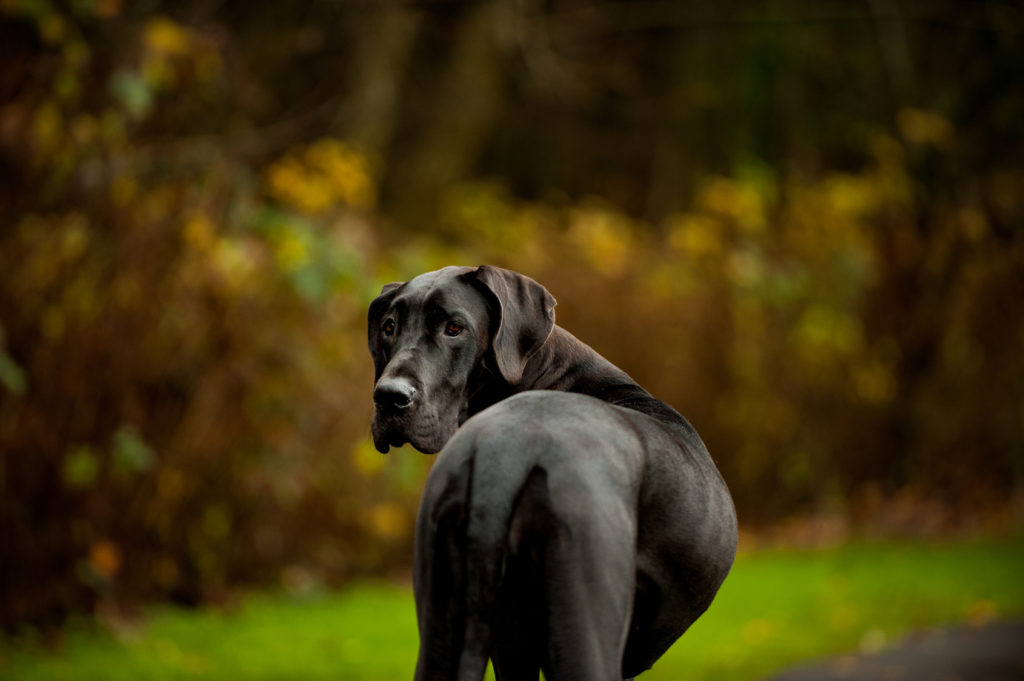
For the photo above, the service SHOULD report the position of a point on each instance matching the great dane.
(571, 523)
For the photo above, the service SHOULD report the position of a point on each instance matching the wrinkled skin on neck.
(412, 343)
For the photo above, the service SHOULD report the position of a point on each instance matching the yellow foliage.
(919, 126)
(53, 323)
(603, 237)
(745, 267)
(122, 190)
(366, 457)
(667, 280)
(973, 224)
(873, 382)
(888, 152)
(695, 235)
(157, 72)
(347, 171)
(47, 126)
(826, 334)
(325, 174)
(198, 232)
(291, 251)
(52, 28)
(851, 196)
(388, 521)
(157, 203)
(75, 239)
(729, 198)
(484, 212)
(82, 297)
(164, 36)
(289, 184)
(237, 261)
(826, 228)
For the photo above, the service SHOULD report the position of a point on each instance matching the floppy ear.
(522, 316)
(373, 321)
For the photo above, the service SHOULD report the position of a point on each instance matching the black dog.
(581, 531)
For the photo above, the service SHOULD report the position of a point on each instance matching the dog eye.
(452, 329)
(388, 327)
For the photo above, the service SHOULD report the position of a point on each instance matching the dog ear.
(374, 319)
(522, 316)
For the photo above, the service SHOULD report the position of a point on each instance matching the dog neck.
(567, 364)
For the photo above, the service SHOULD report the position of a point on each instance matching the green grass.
(776, 608)
(779, 608)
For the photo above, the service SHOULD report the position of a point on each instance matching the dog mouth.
(386, 434)
(427, 438)
(386, 439)
(389, 433)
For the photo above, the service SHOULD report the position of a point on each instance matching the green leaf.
(216, 521)
(131, 454)
(311, 284)
(80, 467)
(132, 91)
(12, 376)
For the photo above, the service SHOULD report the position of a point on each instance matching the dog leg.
(589, 589)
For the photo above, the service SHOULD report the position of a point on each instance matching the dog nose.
(393, 394)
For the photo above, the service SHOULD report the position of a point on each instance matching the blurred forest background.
(800, 223)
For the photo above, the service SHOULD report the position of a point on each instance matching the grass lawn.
(775, 608)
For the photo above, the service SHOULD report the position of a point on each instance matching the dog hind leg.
(453, 639)
(585, 556)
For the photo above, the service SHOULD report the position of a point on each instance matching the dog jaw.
(427, 434)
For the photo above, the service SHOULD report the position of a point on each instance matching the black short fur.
(573, 523)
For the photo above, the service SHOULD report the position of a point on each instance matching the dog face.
(435, 338)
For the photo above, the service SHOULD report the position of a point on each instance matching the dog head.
(438, 337)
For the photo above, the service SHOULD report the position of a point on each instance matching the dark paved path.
(994, 652)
